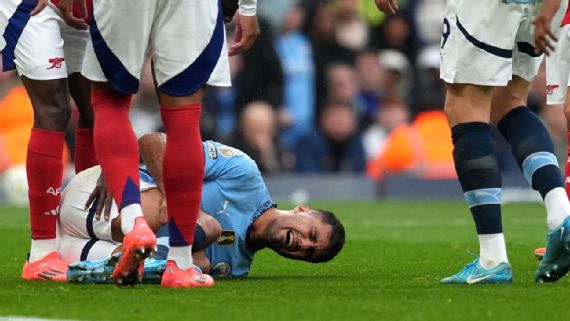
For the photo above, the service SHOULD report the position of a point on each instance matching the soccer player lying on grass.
(235, 196)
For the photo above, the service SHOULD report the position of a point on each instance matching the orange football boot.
(174, 277)
(49, 268)
(138, 244)
(539, 253)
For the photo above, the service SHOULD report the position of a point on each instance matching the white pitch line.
(20, 318)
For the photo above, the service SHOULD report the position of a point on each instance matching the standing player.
(557, 75)
(189, 51)
(44, 51)
(488, 60)
(558, 89)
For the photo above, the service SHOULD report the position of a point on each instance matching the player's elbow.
(148, 139)
(211, 227)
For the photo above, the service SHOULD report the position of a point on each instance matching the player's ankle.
(129, 214)
(181, 256)
(41, 248)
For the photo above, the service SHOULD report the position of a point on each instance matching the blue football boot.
(556, 260)
(474, 273)
(94, 271)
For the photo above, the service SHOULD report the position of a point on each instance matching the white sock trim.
(492, 250)
(557, 207)
(129, 214)
(41, 248)
(182, 256)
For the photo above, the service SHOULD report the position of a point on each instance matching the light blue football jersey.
(235, 194)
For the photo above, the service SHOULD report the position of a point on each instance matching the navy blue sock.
(532, 148)
(162, 247)
(479, 174)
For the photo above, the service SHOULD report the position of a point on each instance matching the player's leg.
(566, 108)
(476, 55)
(102, 256)
(183, 64)
(75, 42)
(33, 46)
(532, 147)
(114, 61)
(84, 153)
(557, 76)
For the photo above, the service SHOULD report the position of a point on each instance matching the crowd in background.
(329, 86)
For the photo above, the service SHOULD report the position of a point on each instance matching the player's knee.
(53, 112)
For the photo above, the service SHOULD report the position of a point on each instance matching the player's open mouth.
(289, 239)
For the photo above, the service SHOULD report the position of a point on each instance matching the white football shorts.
(80, 237)
(485, 42)
(42, 47)
(186, 38)
(558, 69)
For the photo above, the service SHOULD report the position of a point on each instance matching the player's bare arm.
(387, 6)
(247, 27)
(66, 8)
(544, 37)
(152, 147)
(39, 7)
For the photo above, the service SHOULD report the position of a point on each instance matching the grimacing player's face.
(300, 234)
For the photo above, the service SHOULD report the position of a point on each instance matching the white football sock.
(492, 250)
(41, 248)
(557, 207)
(181, 255)
(129, 214)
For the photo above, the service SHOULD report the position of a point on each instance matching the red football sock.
(183, 170)
(567, 169)
(116, 145)
(84, 149)
(44, 167)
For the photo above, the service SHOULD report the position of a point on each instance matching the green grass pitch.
(395, 254)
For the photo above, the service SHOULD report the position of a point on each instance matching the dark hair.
(337, 236)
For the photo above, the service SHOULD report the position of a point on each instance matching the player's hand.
(387, 6)
(104, 197)
(163, 211)
(66, 8)
(544, 37)
(39, 7)
(247, 30)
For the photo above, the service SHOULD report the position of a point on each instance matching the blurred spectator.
(326, 50)
(428, 16)
(399, 73)
(336, 146)
(351, 31)
(422, 148)
(219, 108)
(296, 56)
(394, 112)
(429, 90)
(396, 34)
(257, 137)
(261, 76)
(342, 87)
(370, 77)
(275, 11)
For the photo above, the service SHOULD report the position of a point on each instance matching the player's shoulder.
(216, 151)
